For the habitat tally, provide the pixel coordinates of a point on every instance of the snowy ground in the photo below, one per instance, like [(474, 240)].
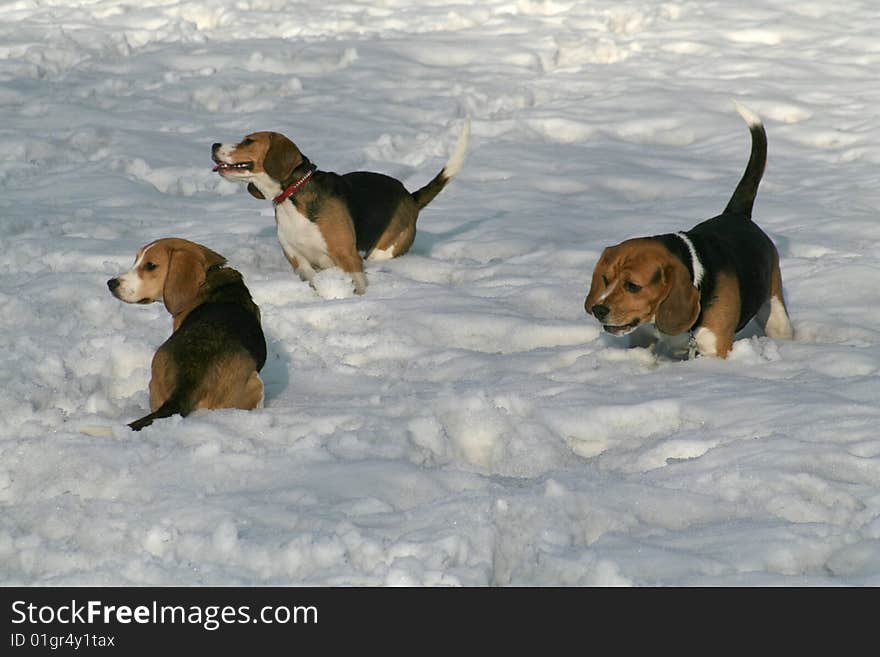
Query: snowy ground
[(464, 422)]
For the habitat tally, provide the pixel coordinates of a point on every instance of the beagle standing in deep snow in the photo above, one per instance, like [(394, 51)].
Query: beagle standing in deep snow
[(216, 348), (708, 281), (325, 219)]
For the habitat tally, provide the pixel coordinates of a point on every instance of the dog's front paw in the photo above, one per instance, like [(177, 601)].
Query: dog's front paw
[(360, 282), (333, 283)]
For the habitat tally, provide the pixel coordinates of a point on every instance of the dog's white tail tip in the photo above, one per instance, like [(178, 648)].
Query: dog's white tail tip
[(750, 117), (456, 160)]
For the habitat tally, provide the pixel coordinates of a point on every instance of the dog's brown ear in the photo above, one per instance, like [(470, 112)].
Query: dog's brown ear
[(282, 157), (186, 275), (680, 308), (256, 193)]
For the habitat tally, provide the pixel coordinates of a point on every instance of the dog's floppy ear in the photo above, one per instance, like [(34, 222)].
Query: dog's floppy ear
[(282, 157), (256, 193), (680, 308), (183, 280), (186, 275)]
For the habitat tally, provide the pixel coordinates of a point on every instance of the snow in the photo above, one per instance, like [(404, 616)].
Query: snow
[(464, 422)]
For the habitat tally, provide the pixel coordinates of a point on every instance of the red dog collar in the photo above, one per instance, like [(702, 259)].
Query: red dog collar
[(293, 188)]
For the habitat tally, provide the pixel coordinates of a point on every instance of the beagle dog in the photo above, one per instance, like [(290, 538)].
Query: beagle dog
[(216, 348), (326, 219), (706, 282)]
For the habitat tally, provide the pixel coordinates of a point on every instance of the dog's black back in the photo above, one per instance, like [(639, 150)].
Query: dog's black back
[(372, 200), (732, 243), (213, 330), (225, 323)]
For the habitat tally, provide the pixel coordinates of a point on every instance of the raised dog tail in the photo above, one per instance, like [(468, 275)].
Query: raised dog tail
[(172, 406), (744, 195), (427, 193)]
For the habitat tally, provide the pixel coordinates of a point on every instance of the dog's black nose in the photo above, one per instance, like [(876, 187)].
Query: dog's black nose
[(113, 283), (215, 147), (599, 311)]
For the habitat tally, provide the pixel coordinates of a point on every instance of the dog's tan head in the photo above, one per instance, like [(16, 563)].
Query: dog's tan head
[(263, 160), (639, 282), (169, 269)]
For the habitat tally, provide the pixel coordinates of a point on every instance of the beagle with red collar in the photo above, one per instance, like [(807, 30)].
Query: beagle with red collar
[(216, 349), (325, 219), (707, 282)]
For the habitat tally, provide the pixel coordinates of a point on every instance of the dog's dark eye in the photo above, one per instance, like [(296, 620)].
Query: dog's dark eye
[(246, 142), (150, 266), (631, 287), (604, 280)]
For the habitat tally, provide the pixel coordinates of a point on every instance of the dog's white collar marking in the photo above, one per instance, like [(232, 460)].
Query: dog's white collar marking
[(695, 260)]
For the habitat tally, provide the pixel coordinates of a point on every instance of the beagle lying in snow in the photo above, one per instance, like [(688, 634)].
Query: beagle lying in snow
[(709, 281), (325, 219), (216, 348)]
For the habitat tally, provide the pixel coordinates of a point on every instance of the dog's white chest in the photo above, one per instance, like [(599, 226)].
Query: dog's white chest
[(300, 237)]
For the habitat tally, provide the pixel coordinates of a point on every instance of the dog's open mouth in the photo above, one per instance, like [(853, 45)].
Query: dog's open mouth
[(623, 329), (222, 167)]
